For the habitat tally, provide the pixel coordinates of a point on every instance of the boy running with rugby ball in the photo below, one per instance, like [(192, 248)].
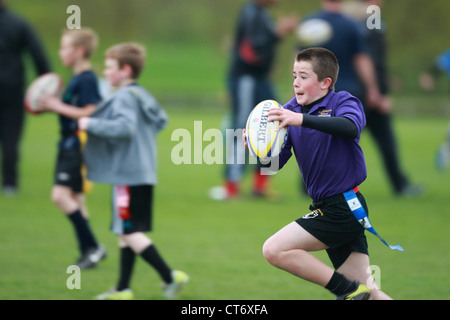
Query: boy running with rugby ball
[(324, 132)]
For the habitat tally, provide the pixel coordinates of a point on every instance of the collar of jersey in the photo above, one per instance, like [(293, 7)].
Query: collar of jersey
[(312, 107)]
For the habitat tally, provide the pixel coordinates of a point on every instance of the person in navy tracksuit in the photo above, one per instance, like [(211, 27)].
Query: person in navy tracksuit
[(252, 59)]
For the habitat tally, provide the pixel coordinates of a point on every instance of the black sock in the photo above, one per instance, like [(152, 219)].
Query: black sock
[(127, 258), (339, 285), (151, 255), (86, 239)]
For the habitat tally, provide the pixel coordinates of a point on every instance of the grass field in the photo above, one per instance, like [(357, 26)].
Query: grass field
[(219, 244)]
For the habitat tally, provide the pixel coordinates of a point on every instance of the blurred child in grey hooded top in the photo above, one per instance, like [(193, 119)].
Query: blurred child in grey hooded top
[(121, 151)]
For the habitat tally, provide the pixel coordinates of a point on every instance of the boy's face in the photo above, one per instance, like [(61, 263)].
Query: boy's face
[(114, 73), (68, 53), (307, 86)]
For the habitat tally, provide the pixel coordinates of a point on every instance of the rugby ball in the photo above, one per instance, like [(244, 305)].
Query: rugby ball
[(314, 32), (262, 138), (46, 84)]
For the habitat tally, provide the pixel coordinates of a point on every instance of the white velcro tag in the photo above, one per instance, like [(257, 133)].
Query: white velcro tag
[(354, 204)]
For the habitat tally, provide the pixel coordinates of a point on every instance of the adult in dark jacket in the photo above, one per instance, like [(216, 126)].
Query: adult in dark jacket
[(362, 58), (379, 116), (16, 38)]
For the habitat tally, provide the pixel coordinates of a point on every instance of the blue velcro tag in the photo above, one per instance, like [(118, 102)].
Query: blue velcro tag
[(360, 214)]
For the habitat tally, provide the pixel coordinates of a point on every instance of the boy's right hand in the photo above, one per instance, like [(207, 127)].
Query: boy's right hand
[(286, 117), (49, 103), (83, 123)]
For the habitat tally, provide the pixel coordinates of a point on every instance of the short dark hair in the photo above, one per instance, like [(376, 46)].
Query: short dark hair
[(323, 61)]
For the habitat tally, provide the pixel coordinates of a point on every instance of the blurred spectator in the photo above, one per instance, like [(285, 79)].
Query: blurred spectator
[(16, 38), (362, 57), (427, 81), (439, 67), (249, 83), (379, 116)]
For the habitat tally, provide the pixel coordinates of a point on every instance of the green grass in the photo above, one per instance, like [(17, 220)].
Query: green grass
[(219, 244)]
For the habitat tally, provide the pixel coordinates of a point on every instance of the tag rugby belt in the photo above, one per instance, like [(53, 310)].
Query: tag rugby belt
[(360, 215)]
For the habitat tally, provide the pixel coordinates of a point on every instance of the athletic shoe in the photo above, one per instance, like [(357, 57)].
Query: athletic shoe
[(92, 257), (443, 156), (269, 195), (227, 192), (9, 191), (410, 191), (361, 293), (179, 279), (115, 294), (218, 193)]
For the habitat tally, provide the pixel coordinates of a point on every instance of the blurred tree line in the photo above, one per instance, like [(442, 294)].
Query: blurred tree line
[(417, 30)]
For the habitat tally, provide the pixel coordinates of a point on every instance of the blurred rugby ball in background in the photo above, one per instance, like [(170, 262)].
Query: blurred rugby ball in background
[(314, 32), (262, 138), (46, 84)]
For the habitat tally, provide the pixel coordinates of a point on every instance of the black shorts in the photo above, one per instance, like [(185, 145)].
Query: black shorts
[(139, 216), (68, 169), (333, 223)]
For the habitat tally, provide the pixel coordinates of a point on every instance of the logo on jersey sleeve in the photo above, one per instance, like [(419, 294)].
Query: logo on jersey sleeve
[(325, 113)]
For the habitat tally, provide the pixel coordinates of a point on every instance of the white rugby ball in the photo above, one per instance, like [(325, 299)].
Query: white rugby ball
[(262, 138), (46, 84), (314, 32)]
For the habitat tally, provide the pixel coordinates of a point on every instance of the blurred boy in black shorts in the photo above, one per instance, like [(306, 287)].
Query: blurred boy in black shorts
[(79, 99)]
